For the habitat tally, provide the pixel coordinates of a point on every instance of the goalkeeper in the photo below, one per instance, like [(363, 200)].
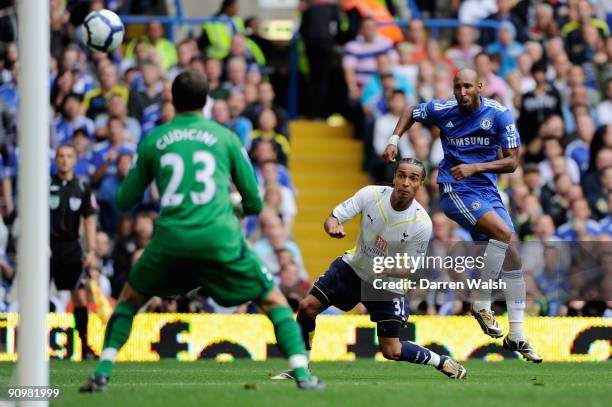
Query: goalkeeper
[(198, 241)]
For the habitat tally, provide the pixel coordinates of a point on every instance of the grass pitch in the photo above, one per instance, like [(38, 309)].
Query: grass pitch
[(360, 383)]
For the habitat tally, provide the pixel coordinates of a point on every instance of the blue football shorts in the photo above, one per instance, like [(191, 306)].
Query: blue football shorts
[(466, 204)]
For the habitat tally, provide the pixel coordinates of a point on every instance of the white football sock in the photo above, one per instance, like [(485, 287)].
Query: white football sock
[(515, 302), (494, 256), (109, 354), (434, 360)]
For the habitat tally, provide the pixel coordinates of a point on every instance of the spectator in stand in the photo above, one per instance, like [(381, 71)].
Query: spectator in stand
[(145, 100), (572, 31), (470, 11), (155, 38), (417, 37), (592, 182), (253, 31), (122, 254), (506, 47), (373, 89), (604, 108), (545, 26), (494, 86), (109, 211), (578, 104), (62, 87), (273, 240), (292, 286), (74, 60), (214, 71), (359, 60), (606, 223), (581, 227), (524, 65), (537, 105), (105, 153), (238, 123), (265, 100), (263, 152), (167, 113), (438, 59), (81, 143), (187, 50), (71, 119), (552, 281), (243, 47), (216, 37), (503, 14), (236, 74), (96, 100), (555, 198), (221, 114), (266, 131), (579, 150), (277, 196), (118, 108), (463, 53), (553, 154), (318, 29)]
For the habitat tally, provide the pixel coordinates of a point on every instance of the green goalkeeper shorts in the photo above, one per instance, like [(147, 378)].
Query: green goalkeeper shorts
[(228, 283)]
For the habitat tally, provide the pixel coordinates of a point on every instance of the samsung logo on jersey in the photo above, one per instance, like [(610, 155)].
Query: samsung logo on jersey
[(469, 141), (185, 134)]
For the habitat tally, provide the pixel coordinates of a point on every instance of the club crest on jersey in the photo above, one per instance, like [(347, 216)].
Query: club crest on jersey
[(380, 243), (475, 205), (54, 201), (75, 204), (486, 124)]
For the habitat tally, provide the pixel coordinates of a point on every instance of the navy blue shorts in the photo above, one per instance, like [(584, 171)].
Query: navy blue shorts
[(466, 205), (341, 287)]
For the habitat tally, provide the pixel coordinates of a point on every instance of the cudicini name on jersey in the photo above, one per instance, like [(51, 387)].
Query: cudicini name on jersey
[(185, 134)]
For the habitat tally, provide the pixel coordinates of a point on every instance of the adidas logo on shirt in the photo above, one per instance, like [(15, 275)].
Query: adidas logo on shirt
[(449, 124)]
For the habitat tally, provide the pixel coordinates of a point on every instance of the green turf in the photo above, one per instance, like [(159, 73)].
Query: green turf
[(362, 383)]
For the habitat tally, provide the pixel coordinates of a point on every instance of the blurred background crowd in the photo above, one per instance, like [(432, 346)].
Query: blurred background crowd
[(550, 62)]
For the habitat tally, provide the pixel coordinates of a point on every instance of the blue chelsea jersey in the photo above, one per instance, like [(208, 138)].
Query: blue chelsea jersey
[(469, 137)]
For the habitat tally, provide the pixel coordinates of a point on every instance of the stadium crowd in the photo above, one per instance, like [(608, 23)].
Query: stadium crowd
[(549, 61)]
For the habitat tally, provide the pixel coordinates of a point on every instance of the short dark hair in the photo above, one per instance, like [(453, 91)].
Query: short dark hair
[(412, 161), (189, 91), (65, 145)]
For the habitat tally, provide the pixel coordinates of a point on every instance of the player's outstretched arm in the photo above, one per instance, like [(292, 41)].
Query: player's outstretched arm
[(405, 122), (333, 227), (132, 188), (507, 164), (243, 177)]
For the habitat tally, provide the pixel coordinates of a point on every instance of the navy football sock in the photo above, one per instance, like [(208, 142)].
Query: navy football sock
[(413, 353)]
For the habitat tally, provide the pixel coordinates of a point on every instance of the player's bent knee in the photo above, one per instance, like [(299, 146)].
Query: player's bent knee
[(503, 234)]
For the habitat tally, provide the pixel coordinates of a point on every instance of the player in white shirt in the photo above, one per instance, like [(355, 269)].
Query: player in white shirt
[(392, 222)]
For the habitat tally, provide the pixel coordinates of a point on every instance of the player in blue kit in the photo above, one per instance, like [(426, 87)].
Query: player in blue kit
[(473, 129)]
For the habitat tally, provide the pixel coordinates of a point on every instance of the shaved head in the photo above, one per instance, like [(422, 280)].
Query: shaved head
[(467, 74), (467, 86)]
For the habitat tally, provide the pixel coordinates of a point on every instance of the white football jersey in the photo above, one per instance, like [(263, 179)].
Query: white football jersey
[(384, 231)]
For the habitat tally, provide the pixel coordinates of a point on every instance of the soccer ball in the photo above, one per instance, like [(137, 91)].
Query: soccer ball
[(103, 31)]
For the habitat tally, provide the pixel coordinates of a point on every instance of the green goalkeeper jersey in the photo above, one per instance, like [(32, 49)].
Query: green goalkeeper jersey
[(193, 162)]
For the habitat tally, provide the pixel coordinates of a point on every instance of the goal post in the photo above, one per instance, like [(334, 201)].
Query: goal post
[(33, 189)]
